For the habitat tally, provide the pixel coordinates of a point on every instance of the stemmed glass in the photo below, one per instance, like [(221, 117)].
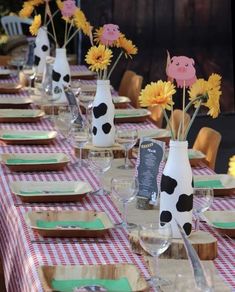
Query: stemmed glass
[(101, 161), (155, 238), (124, 189), (86, 100), (127, 138), (202, 199), (63, 120), (30, 72), (80, 136)]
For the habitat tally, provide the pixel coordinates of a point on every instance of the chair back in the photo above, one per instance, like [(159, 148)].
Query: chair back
[(176, 119), (208, 141), (134, 90), (125, 82), (156, 115), (231, 166), (12, 24)]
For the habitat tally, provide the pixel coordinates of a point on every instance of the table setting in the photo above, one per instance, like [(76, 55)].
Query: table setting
[(101, 199)]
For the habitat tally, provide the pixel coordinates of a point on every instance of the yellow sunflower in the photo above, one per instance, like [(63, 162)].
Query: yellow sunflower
[(213, 102), (27, 10), (159, 92), (59, 4), (98, 34), (99, 58), (199, 88), (81, 22), (35, 25), (214, 80), (231, 169), (127, 45)]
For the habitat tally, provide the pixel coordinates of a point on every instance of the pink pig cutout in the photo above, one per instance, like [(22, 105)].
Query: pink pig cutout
[(181, 69), (110, 34), (68, 9)]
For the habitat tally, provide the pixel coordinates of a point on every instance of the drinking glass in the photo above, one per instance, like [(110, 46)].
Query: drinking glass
[(80, 136), (155, 238), (202, 199), (100, 161), (127, 138), (124, 189), (30, 72), (63, 121)]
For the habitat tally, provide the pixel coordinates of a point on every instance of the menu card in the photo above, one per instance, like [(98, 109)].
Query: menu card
[(151, 154)]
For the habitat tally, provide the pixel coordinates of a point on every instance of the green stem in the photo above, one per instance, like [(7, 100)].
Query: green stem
[(115, 64), (182, 133), (50, 19), (51, 35), (168, 122), (52, 24), (45, 13), (73, 34), (192, 120), (65, 31), (70, 27)]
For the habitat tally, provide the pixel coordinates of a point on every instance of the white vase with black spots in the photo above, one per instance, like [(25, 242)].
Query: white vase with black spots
[(41, 50), (60, 76), (176, 199), (103, 130)]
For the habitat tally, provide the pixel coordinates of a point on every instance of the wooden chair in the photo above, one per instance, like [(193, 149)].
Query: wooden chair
[(12, 24), (176, 118), (208, 141), (156, 115), (130, 86), (125, 82), (231, 166)]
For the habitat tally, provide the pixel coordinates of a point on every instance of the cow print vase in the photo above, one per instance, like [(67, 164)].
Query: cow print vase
[(41, 50), (103, 130), (176, 199), (60, 75)]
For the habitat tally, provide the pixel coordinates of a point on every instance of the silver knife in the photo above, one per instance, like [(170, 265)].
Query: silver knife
[(198, 271)]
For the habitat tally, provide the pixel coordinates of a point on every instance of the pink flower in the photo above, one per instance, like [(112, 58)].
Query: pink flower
[(110, 34), (68, 9)]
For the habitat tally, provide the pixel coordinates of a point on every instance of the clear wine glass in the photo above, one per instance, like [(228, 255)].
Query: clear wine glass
[(155, 238), (126, 138), (125, 189), (100, 161), (63, 121), (202, 199), (80, 136), (30, 72)]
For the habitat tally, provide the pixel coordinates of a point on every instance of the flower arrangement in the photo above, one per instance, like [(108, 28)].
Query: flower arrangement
[(71, 14), (201, 93), (99, 57)]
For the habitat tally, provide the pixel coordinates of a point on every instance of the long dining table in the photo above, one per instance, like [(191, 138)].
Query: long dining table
[(23, 251)]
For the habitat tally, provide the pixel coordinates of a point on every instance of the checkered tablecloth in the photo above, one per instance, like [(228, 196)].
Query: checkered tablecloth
[(21, 257)]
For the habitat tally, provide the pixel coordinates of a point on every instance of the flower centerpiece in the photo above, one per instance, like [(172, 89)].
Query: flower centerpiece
[(176, 198), (75, 21), (100, 59)]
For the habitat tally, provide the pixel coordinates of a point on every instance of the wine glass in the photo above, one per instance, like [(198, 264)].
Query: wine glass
[(127, 138), (101, 161), (202, 199), (86, 99), (30, 72), (125, 189), (155, 238), (80, 136), (63, 121)]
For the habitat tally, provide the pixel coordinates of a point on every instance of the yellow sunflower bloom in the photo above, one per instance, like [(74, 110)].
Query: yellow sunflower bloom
[(27, 10), (128, 47), (199, 88), (35, 25), (59, 4), (213, 102), (97, 35), (214, 80), (81, 22), (231, 169), (99, 58), (36, 2), (159, 92)]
